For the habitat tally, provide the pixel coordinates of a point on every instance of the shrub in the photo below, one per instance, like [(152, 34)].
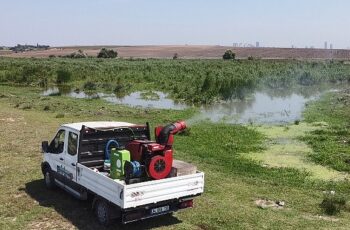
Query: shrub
[(332, 204), (63, 76), (43, 82), (107, 86), (306, 79), (78, 54), (89, 85), (251, 58), (229, 55), (176, 56), (107, 53), (119, 90), (28, 74)]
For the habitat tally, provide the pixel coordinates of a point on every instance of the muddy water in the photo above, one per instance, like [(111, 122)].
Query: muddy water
[(261, 106), (267, 105), (134, 99)]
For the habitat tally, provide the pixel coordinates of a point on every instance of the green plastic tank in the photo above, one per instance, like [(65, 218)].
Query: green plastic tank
[(118, 158)]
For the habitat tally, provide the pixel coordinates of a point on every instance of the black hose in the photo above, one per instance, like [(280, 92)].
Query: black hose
[(164, 134)]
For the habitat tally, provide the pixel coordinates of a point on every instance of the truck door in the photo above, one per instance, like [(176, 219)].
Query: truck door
[(71, 158), (57, 154)]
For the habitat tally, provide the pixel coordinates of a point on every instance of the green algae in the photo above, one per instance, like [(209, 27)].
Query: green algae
[(285, 149)]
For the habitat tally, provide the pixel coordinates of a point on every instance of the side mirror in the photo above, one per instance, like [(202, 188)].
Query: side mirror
[(44, 146)]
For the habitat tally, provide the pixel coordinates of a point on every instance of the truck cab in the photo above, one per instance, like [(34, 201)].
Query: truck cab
[(74, 160), (61, 157)]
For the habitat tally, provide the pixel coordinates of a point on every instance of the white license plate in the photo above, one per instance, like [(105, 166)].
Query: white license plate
[(160, 209)]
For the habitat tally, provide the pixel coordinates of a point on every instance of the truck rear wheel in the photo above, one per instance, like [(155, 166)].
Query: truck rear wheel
[(49, 179), (102, 212)]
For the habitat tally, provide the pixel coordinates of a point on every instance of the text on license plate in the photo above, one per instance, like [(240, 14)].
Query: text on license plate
[(160, 209)]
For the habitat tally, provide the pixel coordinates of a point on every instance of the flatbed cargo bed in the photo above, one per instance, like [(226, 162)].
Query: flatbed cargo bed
[(148, 192)]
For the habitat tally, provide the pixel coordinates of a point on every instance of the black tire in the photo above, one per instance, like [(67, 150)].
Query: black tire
[(49, 179), (170, 214), (103, 212)]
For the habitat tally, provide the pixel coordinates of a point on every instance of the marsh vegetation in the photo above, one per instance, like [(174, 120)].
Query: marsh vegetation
[(191, 81)]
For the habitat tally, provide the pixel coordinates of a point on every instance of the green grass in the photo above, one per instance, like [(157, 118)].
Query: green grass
[(233, 181), (331, 145)]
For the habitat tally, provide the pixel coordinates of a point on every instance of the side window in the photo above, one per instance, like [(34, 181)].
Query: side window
[(72, 143), (57, 144)]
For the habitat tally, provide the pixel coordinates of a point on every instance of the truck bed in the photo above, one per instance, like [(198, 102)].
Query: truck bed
[(143, 193)]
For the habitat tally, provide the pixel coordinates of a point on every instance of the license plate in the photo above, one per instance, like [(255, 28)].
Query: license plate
[(160, 210)]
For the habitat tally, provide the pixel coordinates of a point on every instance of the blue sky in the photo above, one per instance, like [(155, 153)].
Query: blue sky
[(143, 22)]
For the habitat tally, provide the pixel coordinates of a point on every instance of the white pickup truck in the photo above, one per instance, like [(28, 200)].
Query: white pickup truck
[(74, 160)]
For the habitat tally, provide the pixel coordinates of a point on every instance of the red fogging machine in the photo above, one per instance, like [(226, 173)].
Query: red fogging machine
[(154, 159)]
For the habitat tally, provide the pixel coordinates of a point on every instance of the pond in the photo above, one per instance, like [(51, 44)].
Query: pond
[(266, 105), (136, 99), (262, 105)]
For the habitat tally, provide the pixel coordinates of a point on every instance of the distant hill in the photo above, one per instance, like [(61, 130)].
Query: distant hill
[(191, 51)]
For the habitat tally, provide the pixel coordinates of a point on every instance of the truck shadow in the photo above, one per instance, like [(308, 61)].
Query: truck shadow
[(79, 212)]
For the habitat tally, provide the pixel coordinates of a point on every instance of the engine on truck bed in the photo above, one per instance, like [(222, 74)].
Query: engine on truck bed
[(138, 158)]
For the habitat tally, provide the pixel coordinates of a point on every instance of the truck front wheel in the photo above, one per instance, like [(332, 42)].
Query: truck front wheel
[(49, 180), (102, 212)]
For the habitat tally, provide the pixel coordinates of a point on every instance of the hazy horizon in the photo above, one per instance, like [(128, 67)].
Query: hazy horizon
[(272, 23)]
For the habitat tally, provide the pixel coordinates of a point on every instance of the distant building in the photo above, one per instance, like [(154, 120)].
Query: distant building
[(331, 46), (257, 44), (325, 45)]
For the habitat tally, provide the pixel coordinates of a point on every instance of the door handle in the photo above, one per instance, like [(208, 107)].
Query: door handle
[(73, 164), (61, 158)]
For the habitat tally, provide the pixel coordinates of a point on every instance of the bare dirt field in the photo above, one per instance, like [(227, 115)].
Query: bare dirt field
[(191, 51)]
